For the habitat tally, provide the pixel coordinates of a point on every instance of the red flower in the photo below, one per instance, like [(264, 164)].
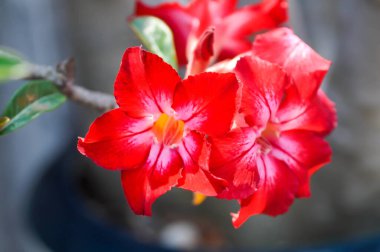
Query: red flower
[(157, 136), (283, 120), (232, 26)]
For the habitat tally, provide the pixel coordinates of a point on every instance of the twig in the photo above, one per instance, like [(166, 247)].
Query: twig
[(63, 77)]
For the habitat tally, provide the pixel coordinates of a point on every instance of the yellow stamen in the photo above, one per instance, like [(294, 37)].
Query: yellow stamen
[(168, 130), (198, 198), (271, 131)]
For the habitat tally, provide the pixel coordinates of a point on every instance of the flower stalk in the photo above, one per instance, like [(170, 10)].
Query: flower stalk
[(63, 77)]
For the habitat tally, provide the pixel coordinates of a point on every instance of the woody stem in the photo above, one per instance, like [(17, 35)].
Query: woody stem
[(63, 77)]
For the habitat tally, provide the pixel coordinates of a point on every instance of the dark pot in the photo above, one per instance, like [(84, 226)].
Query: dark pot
[(60, 217), (64, 222)]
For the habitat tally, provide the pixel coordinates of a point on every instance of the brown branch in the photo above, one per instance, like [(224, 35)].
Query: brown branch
[(63, 77)]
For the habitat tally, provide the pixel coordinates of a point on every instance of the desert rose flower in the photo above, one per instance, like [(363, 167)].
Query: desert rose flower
[(233, 26), (283, 119), (156, 138)]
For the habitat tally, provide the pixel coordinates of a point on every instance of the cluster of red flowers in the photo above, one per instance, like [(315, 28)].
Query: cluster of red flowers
[(251, 127)]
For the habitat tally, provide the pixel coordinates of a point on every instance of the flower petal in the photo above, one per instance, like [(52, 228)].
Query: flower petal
[(275, 193), (319, 115), (142, 186), (234, 26), (304, 152), (201, 56), (232, 34), (207, 102), (195, 152), (116, 141), (228, 65), (145, 84), (229, 51), (220, 9), (233, 158), (281, 46), (263, 89)]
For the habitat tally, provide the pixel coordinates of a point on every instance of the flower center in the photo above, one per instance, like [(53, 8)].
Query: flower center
[(168, 130), (269, 134)]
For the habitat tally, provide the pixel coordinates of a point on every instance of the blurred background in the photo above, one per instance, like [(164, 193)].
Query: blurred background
[(52, 199)]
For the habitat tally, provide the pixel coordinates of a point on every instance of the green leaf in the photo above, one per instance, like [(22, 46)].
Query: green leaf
[(157, 37), (31, 100), (12, 66)]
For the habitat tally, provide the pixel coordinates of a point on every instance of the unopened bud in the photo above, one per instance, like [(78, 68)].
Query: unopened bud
[(4, 121)]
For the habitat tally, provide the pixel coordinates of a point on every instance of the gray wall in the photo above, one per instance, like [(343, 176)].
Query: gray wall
[(345, 194), (33, 27)]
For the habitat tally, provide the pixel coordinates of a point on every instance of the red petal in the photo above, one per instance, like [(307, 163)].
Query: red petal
[(177, 17), (230, 50), (318, 115), (206, 13), (142, 186), (221, 8), (283, 47), (226, 66), (201, 56), (145, 83), (232, 34), (233, 158), (277, 9), (275, 193), (263, 89), (304, 152), (234, 26), (195, 152), (207, 102), (116, 141)]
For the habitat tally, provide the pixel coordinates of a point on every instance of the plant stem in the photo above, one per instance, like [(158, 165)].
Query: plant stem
[(63, 77)]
